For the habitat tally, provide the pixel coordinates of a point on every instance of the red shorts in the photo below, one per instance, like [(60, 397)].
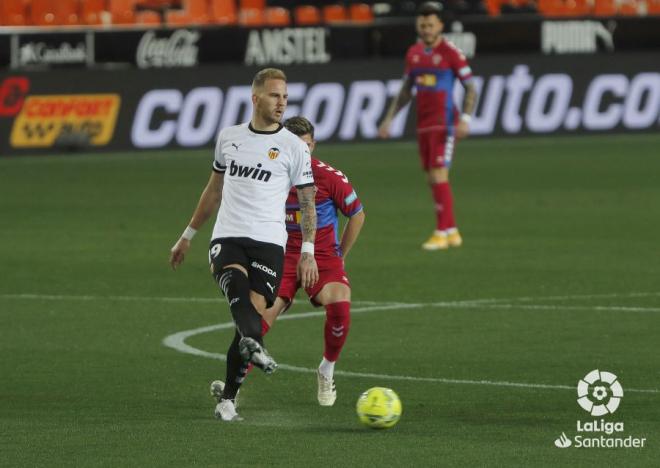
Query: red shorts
[(290, 284), (436, 148)]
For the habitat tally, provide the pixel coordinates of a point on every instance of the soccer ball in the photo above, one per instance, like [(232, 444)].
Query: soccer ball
[(379, 408)]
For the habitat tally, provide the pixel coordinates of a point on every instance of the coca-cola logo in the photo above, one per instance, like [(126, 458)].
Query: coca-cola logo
[(178, 50)]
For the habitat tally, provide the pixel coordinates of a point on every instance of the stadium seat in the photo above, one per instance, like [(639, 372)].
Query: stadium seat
[(653, 7), (13, 13), (251, 17), (551, 8), (253, 5), (193, 12), (605, 8), (54, 12), (334, 14), (122, 11), (92, 11), (361, 13), (148, 18), (307, 15), (277, 16), (493, 7), (223, 11), (629, 8)]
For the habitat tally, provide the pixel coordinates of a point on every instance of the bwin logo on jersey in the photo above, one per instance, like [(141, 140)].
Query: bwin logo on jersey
[(264, 268), (249, 172)]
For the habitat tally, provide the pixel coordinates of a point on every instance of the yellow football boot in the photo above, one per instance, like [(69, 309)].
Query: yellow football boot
[(438, 241), (454, 239)]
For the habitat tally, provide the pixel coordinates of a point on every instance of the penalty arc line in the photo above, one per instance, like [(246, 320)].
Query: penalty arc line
[(177, 341)]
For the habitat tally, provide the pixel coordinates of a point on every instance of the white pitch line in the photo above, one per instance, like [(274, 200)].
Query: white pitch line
[(562, 307), (177, 341)]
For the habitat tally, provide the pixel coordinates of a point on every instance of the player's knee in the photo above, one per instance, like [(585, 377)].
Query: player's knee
[(439, 175), (259, 302), (235, 285), (334, 292)]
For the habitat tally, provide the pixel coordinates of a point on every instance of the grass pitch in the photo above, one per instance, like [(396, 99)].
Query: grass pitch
[(484, 344)]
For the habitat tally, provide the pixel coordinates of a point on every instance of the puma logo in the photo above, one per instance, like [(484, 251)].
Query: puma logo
[(235, 146)]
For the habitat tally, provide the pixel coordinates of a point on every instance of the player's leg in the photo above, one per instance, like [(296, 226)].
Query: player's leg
[(287, 291), (266, 262), (228, 265), (335, 297), (446, 234)]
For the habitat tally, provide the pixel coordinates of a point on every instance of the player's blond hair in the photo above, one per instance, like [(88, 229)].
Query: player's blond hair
[(266, 74)]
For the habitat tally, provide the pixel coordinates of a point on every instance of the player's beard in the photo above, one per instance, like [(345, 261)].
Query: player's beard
[(269, 117), (432, 41)]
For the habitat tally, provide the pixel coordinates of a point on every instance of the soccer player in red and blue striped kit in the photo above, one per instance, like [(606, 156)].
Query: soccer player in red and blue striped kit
[(432, 66)]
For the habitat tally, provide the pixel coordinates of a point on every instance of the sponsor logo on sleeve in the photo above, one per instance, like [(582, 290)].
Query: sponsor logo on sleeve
[(351, 198)]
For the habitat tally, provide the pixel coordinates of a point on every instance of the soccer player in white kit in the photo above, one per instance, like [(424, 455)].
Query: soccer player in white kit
[(255, 165)]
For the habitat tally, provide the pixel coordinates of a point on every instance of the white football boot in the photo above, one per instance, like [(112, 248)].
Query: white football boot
[(252, 351), (327, 393), (226, 411), (217, 387)]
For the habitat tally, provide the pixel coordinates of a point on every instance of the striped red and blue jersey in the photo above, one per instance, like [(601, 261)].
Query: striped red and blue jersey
[(333, 193), (433, 71)]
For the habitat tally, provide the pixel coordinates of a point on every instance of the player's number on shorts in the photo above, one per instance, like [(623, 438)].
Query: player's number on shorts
[(215, 250)]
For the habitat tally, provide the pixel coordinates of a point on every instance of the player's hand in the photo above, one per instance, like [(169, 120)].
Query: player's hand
[(308, 272), (462, 129), (384, 129), (178, 252)]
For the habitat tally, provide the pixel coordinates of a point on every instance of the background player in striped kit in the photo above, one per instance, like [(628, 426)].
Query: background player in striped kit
[(432, 66)]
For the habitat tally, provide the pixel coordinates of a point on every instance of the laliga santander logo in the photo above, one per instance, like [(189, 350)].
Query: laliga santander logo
[(599, 393)]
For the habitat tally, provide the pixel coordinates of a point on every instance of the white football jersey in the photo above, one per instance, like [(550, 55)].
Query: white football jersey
[(259, 170)]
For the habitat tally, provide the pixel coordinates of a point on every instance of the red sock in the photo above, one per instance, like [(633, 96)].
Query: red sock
[(444, 206), (337, 323), (264, 327)]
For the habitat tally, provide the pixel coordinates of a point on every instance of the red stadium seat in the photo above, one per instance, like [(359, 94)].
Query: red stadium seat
[(92, 11), (223, 12), (551, 8), (629, 8), (360, 13), (253, 5), (122, 11), (493, 7), (277, 16), (54, 12), (605, 8), (251, 17), (13, 13), (194, 12), (653, 7), (148, 18), (307, 15), (334, 14)]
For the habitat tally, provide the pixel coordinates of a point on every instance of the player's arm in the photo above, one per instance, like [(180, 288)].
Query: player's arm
[(208, 204), (307, 270), (351, 232), (399, 102), (469, 101)]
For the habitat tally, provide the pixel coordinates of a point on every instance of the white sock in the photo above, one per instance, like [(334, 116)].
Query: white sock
[(452, 230), (327, 368), (438, 232)]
